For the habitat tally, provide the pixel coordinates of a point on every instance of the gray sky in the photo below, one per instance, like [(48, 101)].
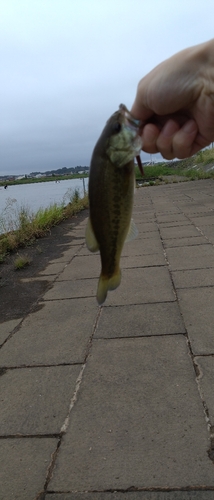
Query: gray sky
[(66, 65)]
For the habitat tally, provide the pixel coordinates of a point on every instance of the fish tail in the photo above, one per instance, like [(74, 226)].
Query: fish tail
[(106, 284)]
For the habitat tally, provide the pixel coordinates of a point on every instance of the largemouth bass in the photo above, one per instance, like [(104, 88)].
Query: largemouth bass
[(111, 190)]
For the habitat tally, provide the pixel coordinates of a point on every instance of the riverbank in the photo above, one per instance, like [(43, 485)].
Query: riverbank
[(30, 226), (17, 291), (35, 180)]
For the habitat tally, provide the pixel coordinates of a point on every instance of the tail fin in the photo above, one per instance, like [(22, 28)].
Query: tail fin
[(106, 284)]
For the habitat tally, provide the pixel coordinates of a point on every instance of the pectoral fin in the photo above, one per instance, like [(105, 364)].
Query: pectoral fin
[(132, 232), (90, 238)]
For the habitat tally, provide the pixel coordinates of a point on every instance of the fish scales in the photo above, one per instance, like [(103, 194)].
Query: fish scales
[(111, 214), (111, 188)]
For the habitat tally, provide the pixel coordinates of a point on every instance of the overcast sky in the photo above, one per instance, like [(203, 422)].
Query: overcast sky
[(66, 65)]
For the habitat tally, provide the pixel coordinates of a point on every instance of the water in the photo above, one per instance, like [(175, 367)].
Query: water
[(35, 196)]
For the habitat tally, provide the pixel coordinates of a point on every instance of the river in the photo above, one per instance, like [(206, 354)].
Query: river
[(35, 196)]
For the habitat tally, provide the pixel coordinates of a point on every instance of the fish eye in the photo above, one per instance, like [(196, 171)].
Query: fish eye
[(116, 127)]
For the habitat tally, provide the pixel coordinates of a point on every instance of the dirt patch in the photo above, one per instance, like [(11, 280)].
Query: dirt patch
[(17, 297)]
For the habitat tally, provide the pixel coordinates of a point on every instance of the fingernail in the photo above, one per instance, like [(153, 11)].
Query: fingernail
[(189, 127), (170, 128)]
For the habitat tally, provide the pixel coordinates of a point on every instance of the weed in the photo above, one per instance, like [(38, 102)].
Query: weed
[(30, 226), (193, 168), (21, 261)]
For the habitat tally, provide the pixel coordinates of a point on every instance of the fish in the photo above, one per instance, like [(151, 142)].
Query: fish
[(111, 192)]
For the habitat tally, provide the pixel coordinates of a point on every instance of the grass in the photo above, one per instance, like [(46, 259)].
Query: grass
[(48, 178), (156, 171), (192, 168), (21, 261), (29, 226)]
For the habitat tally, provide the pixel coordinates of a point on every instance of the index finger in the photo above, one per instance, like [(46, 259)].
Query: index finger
[(140, 112)]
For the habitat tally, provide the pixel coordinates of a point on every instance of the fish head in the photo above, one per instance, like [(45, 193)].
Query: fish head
[(123, 137)]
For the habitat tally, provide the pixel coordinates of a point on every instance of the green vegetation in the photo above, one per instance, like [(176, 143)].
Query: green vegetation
[(21, 261), (49, 178), (198, 166), (30, 226), (156, 171)]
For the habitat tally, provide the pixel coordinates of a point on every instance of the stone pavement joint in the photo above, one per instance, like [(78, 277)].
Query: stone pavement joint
[(117, 402)]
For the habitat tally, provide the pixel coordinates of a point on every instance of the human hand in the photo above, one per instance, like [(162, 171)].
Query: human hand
[(175, 101)]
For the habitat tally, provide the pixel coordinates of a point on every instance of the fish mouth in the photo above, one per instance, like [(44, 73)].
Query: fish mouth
[(133, 125), (129, 120)]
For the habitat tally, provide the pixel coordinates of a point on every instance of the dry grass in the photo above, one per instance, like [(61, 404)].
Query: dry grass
[(21, 261), (33, 226)]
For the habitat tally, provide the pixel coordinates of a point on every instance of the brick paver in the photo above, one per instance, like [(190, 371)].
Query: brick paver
[(117, 402)]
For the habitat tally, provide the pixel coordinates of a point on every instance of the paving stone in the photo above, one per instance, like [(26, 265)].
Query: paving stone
[(63, 245), (58, 332), (193, 278), (145, 227), (139, 246), (140, 320), (79, 231), (142, 285), (42, 398), (7, 327), (132, 261), (54, 268), (77, 240), (201, 198), (179, 231), (138, 418), (135, 495), (196, 210), (198, 313), (143, 217), (206, 220), (176, 217), (23, 466), (84, 251), (47, 278), (152, 235), (164, 225), (139, 421), (193, 209), (143, 246), (170, 211), (87, 266), (208, 231), (67, 254), (184, 242), (206, 383), (143, 210), (151, 248), (72, 289), (195, 257)]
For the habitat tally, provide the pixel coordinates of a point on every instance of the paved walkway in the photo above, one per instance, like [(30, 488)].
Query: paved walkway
[(118, 402)]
